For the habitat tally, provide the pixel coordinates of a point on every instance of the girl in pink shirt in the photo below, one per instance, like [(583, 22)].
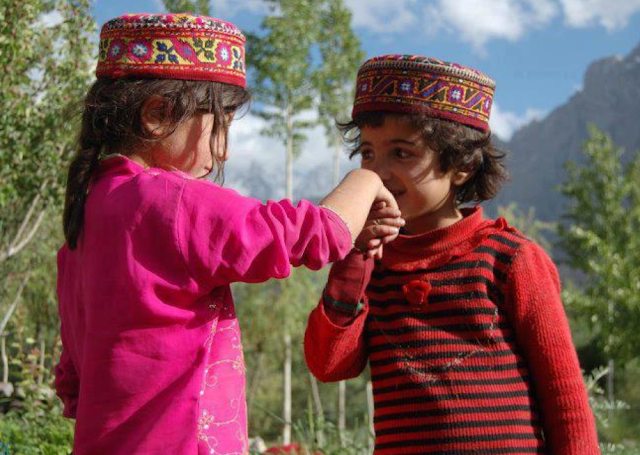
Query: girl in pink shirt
[(152, 359)]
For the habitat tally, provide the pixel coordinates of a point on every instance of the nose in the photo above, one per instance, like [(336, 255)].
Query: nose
[(380, 168)]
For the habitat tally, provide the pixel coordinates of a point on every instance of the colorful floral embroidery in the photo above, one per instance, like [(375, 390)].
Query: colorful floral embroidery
[(414, 84), (140, 51), (223, 52), (192, 47), (222, 405), (116, 49)]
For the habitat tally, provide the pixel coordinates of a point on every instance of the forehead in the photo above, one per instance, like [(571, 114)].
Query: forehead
[(392, 129)]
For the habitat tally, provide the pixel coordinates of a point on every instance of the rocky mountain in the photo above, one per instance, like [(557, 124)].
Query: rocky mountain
[(610, 99)]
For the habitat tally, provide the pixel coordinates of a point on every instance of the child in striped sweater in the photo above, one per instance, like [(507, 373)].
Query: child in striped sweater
[(460, 319)]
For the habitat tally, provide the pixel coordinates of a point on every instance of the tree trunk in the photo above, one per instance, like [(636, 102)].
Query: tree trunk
[(370, 408), (342, 385), (336, 162), (286, 433), (25, 233), (41, 373), (342, 410), (610, 366), (5, 359), (253, 389), (315, 392), (289, 158), (13, 305), (610, 387)]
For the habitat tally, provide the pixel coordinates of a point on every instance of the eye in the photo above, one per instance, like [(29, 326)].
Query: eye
[(401, 153), (366, 155)]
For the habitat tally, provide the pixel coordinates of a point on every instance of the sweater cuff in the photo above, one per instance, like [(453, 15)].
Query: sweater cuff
[(348, 280)]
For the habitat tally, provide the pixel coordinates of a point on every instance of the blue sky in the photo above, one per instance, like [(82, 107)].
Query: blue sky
[(536, 50)]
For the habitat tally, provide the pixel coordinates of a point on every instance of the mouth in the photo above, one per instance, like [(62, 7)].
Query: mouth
[(397, 193)]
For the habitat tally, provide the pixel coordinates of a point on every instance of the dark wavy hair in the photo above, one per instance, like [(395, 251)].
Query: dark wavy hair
[(459, 147), (112, 123)]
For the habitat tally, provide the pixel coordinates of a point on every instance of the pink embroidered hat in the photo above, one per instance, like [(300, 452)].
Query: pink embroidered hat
[(414, 84), (173, 46)]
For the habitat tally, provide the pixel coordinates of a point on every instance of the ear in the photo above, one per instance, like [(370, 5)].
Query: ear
[(152, 116), (459, 178)]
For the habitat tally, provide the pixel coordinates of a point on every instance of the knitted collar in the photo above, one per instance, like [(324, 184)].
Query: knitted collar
[(439, 246)]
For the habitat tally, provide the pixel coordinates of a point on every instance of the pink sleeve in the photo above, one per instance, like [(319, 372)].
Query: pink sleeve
[(225, 237), (543, 333), (67, 384)]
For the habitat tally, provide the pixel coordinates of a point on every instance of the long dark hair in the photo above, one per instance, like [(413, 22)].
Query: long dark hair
[(111, 122)]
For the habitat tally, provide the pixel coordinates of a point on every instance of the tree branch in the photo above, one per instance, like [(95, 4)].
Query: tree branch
[(14, 304)]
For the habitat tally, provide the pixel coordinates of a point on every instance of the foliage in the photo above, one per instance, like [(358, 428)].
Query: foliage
[(187, 6), (34, 424), (353, 442), (45, 65), (526, 222), (281, 62), (341, 54), (601, 240)]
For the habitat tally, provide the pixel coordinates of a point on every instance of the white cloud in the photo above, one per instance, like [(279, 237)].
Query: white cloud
[(479, 21), (383, 16), (247, 145), (505, 123), (228, 8), (610, 14)]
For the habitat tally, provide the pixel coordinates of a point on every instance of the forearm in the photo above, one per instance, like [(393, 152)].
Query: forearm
[(334, 341), (353, 198)]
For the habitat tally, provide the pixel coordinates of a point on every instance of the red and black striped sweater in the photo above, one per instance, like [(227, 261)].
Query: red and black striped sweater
[(467, 340)]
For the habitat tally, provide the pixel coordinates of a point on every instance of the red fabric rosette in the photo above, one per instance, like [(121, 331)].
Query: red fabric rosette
[(417, 292)]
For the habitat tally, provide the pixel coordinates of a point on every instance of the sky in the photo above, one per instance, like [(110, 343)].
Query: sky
[(537, 51)]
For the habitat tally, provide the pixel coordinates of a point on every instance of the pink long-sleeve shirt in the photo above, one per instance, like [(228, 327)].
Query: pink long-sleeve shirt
[(152, 359)]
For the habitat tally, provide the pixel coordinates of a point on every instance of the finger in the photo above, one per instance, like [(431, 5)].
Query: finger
[(374, 243), (386, 212), (397, 222), (378, 205), (388, 239), (381, 230), (378, 254)]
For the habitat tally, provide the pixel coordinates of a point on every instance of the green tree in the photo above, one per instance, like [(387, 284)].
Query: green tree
[(187, 6), (45, 66), (281, 61), (46, 61), (600, 239), (341, 54), (527, 223)]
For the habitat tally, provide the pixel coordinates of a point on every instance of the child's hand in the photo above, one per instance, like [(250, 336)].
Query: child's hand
[(382, 227)]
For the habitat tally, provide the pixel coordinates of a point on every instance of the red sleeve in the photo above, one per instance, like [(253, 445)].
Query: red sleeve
[(543, 334), (67, 384), (334, 343)]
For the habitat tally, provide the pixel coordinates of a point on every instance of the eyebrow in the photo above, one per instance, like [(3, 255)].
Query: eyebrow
[(402, 141), (393, 141)]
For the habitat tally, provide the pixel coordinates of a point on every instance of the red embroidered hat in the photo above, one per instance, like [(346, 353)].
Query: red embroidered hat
[(415, 84), (172, 46)]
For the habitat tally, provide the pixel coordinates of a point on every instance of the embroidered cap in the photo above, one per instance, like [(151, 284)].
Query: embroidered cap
[(415, 84), (172, 46)]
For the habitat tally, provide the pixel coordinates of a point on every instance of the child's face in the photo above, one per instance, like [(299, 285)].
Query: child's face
[(411, 172)]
